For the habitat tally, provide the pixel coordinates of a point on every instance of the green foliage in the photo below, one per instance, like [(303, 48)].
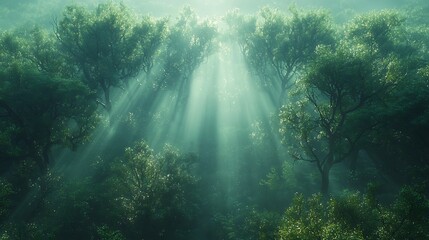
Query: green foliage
[(246, 222), (6, 190), (41, 103), (377, 30), (10, 44), (356, 216), (411, 215), (14, 231), (144, 195), (12, 51), (303, 219), (109, 46), (34, 48), (401, 150), (42, 51), (398, 49), (42, 111), (158, 192), (67, 210), (240, 27), (277, 46), (283, 179), (323, 126), (105, 233), (365, 93), (188, 43)]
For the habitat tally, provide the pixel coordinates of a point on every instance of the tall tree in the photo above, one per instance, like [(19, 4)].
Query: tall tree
[(325, 124), (188, 43), (41, 104), (278, 46), (109, 45), (41, 111), (41, 49), (398, 146), (158, 192), (379, 31), (401, 45)]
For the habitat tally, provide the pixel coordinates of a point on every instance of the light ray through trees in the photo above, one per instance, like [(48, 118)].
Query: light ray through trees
[(223, 120), (223, 106)]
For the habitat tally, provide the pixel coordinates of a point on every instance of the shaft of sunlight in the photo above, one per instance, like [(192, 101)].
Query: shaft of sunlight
[(223, 106)]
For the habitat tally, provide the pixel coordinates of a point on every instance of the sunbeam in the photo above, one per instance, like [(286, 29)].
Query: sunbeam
[(224, 104), (193, 119)]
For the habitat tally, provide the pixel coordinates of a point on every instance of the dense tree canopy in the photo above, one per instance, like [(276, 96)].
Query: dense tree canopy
[(188, 43), (41, 105), (344, 95), (109, 45), (328, 105), (41, 112), (278, 46), (337, 87)]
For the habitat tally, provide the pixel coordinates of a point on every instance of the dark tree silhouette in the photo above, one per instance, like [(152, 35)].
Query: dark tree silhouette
[(109, 45)]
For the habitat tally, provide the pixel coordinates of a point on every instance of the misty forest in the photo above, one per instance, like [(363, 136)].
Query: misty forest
[(203, 120)]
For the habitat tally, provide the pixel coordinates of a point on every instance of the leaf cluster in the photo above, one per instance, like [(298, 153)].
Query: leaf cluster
[(356, 216)]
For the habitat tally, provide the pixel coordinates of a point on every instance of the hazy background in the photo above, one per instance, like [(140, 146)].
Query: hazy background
[(225, 118), (27, 12)]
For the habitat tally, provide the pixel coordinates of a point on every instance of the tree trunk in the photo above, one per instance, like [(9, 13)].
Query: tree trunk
[(281, 98), (327, 168), (107, 103), (45, 159), (353, 160), (106, 90), (325, 179)]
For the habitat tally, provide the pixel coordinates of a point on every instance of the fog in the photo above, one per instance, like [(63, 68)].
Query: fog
[(227, 119), (20, 12)]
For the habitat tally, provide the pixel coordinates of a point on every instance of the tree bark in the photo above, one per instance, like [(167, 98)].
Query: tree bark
[(281, 98), (325, 179), (45, 159), (353, 160), (327, 167), (107, 103)]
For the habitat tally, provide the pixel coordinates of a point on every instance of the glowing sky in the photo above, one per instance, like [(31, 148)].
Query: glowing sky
[(17, 12)]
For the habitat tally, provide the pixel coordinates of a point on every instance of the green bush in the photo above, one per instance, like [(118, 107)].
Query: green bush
[(357, 216)]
